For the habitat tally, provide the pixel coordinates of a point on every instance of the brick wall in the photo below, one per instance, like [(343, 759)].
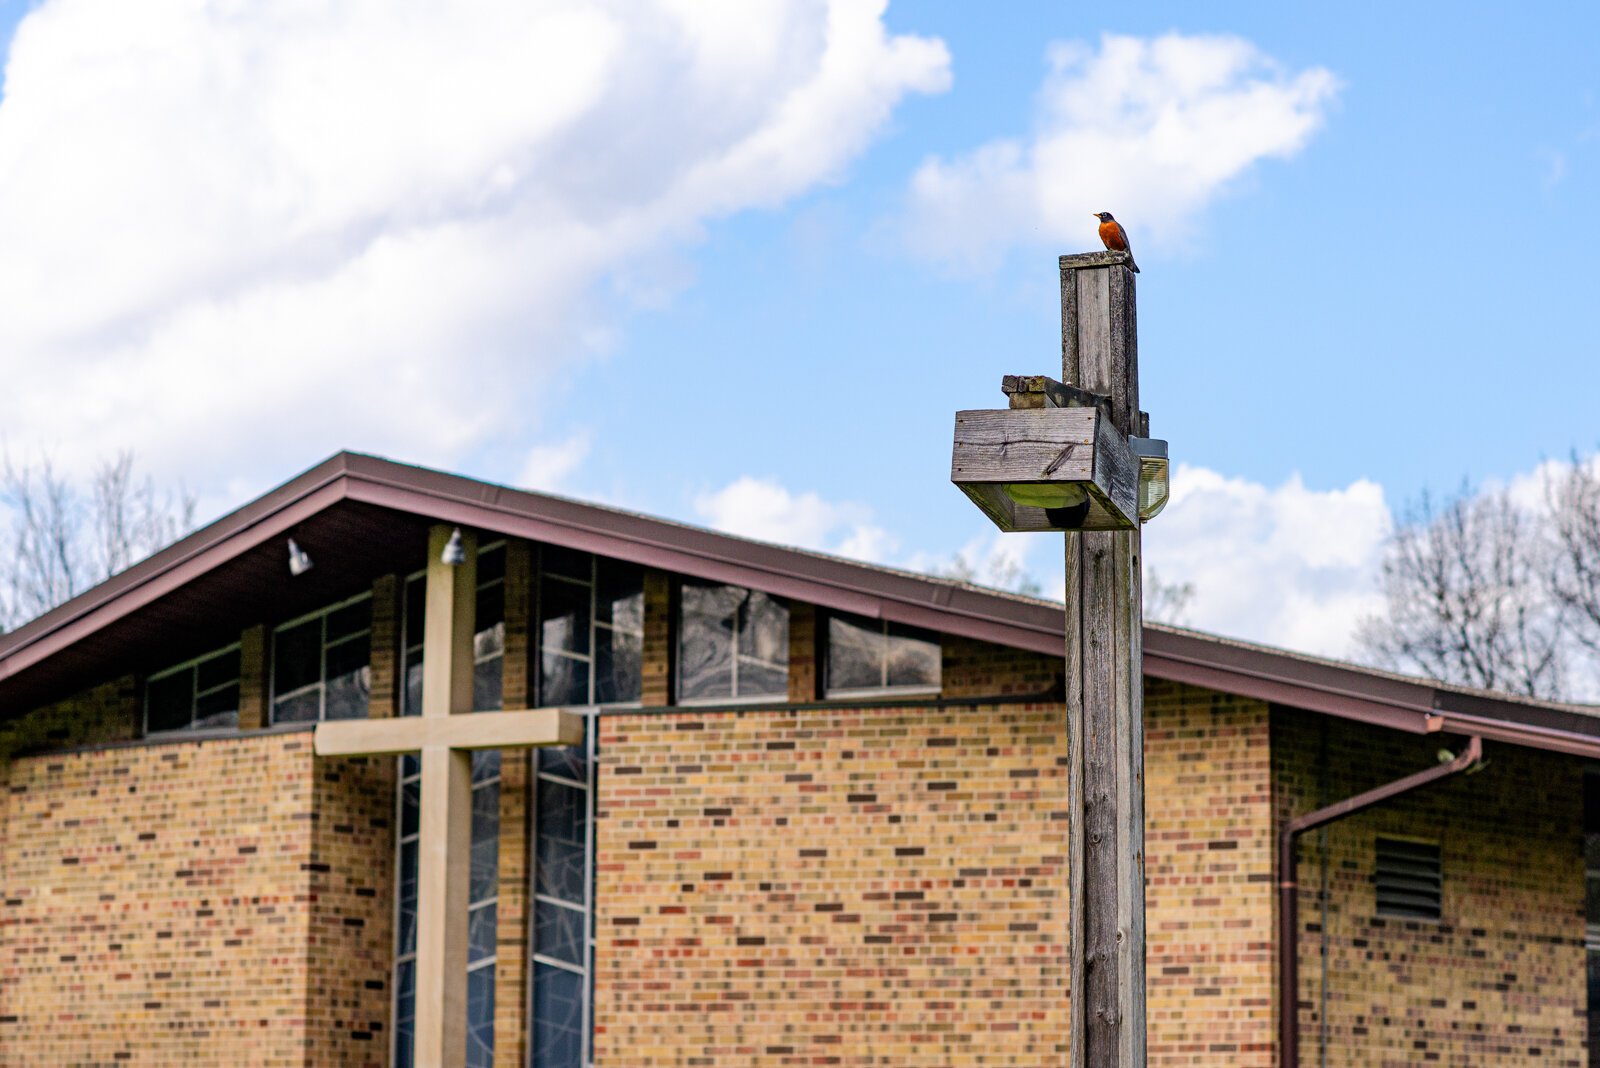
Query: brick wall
[(1500, 981), (1209, 894), (110, 712), (199, 903), (850, 887)]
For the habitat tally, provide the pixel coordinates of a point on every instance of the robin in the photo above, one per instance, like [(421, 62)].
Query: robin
[(1114, 237)]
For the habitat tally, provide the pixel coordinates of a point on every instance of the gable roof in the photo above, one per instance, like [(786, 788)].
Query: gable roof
[(358, 514)]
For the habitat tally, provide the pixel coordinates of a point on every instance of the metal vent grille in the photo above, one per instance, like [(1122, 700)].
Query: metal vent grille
[(1409, 879)]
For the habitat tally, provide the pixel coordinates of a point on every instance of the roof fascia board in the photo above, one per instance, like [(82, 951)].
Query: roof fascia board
[(220, 546)]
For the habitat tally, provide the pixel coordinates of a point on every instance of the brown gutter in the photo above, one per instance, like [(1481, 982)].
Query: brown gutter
[(1288, 919)]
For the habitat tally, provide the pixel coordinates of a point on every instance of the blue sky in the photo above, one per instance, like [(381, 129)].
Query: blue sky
[(703, 275)]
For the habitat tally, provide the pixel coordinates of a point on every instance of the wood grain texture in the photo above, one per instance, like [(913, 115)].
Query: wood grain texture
[(515, 729), (1096, 259), (1000, 447), (1106, 723)]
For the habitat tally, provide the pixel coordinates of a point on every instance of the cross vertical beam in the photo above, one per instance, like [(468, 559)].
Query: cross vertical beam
[(444, 861), (1105, 699)]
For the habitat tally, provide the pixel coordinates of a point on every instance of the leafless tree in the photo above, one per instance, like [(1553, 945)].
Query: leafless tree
[(64, 539), (1003, 573), (1468, 602), (1572, 495), (1166, 602)]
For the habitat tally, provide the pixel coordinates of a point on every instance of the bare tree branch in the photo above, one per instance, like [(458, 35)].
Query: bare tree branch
[(1467, 598), (1166, 602), (63, 541)]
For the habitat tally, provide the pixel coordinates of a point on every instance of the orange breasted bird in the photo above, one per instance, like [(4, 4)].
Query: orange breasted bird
[(1114, 237)]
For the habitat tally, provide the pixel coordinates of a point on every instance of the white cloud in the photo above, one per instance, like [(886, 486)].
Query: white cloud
[(547, 466), (1285, 565), (1149, 128), (230, 233), (763, 508)]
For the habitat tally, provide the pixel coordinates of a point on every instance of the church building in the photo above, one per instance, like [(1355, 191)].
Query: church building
[(765, 807)]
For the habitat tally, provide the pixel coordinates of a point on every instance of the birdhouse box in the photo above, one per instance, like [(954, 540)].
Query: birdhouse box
[(1049, 468)]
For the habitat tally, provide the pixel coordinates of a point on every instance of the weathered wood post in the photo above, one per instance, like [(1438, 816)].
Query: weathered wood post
[(1105, 697), (1074, 456)]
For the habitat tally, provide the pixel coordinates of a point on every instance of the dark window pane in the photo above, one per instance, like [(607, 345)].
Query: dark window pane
[(413, 686), (485, 842), (764, 630), (480, 1018), (491, 564), (410, 766), (297, 657), (219, 708), (302, 708), (405, 1014), (491, 607), (169, 702), (487, 680), (490, 642), (558, 1017), (485, 765), (408, 899), (760, 679), (563, 837), (560, 932), (619, 596), (618, 660), (416, 608), (564, 612), (218, 671), (563, 681), (568, 761), (410, 796), (480, 933), (351, 619), (705, 642), (347, 695), (349, 656), (554, 560), (855, 652), (913, 658)]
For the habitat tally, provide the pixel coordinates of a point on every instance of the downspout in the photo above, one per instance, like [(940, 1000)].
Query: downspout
[(1288, 920)]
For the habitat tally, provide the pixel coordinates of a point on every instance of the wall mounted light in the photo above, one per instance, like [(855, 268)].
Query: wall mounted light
[(299, 560), (1155, 483), (454, 552)]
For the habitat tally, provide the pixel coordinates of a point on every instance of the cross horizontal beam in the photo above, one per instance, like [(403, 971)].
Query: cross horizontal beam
[(480, 730)]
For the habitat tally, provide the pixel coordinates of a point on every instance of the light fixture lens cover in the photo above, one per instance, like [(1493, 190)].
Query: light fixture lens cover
[(1047, 494), (1155, 483)]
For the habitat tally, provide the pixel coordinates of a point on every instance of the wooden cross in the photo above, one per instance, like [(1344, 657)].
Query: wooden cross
[(445, 735)]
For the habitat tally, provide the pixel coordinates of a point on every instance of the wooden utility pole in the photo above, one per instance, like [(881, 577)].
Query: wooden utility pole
[(1072, 456), (1105, 696)]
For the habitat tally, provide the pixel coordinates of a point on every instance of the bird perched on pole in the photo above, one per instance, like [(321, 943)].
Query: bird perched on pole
[(1114, 237)]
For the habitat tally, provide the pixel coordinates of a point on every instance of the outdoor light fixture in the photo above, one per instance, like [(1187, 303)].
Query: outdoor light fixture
[(1155, 484), (299, 560), (454, 553), (1047, 468)]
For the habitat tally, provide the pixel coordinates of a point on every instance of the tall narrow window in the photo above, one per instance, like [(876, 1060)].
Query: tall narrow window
[(488, 644), (200, 694), (320, 664), (874, 655), (563, 886), (591, 629), (732, 642)]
